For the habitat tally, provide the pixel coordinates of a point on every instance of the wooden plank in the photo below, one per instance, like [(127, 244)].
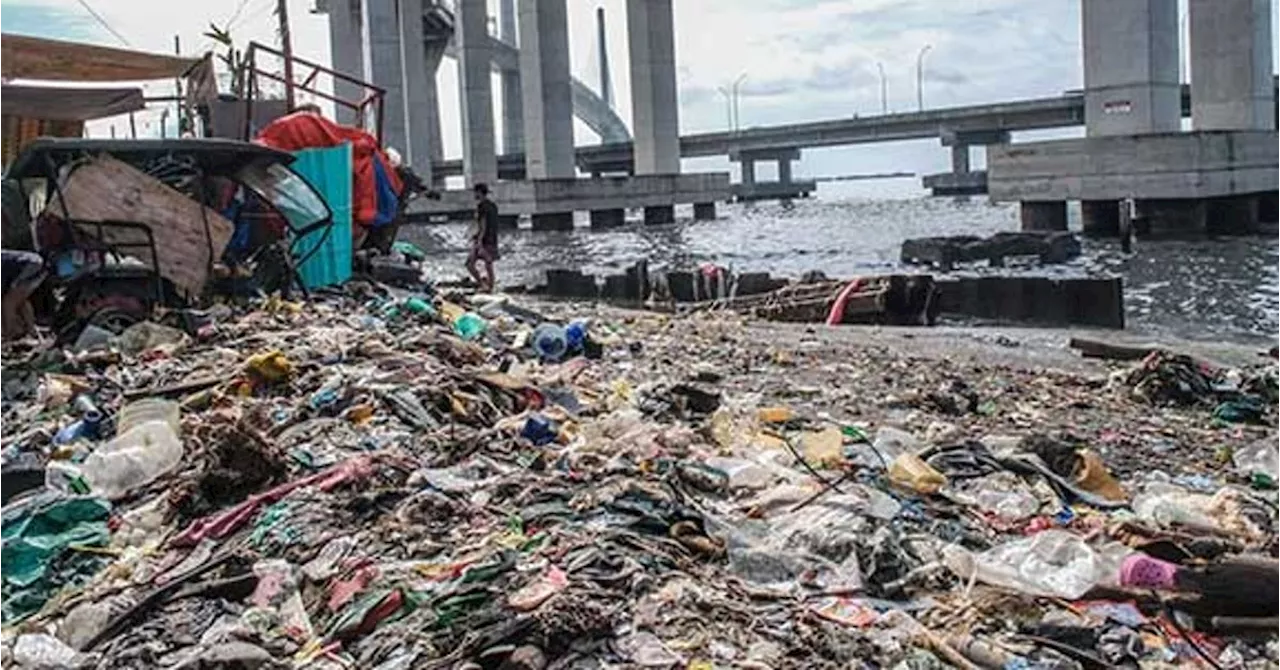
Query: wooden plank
[(107, 189)]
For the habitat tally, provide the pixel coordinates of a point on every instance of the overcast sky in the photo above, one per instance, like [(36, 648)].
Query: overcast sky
[(803, 59)]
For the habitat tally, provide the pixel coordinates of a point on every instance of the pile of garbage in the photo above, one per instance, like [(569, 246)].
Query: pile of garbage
[(389, 480)]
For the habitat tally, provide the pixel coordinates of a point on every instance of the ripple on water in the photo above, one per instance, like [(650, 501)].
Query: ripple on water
[(1208, 289)]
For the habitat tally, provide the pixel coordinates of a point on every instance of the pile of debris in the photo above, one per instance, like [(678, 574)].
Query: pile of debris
[(945, 252), (379, 479)]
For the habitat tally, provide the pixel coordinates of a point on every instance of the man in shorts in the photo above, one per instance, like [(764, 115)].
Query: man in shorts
[(21, 274), (484, 240)]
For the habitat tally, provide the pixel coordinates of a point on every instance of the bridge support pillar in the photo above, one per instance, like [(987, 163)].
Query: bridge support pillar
[(704, 211), (959, 158), (784, 170), (1100, 218), (608, 218), (347, 49), (1267, 207), (748, 171), (512, 101), (1043, 215), (1231, 84), (548, 102), (421, 110), (553, 221), (382, 59), (654, 99), (479, 157), (659, 215)]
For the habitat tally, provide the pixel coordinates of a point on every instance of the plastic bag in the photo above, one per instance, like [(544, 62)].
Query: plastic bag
[(45, 652), (1053, 563)]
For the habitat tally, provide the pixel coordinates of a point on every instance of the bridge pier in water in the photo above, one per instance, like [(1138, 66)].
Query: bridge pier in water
[(963, 179), (784, 188)]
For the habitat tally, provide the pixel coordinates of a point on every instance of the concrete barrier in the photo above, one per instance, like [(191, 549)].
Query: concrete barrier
[(1058, 302)]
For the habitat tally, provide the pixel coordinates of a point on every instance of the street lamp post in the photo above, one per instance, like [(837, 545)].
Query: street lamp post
[(737, 112), (728, 105), (920, 76), (884, 90)]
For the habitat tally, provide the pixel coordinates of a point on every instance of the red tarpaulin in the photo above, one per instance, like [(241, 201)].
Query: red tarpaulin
[(306, 130)]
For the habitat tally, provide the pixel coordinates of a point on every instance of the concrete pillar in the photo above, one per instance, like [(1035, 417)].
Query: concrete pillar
[(1044, 215), (608, 218), (346, 45), (1231, 79), (480, 162), (659, 215), (1232, 215), (427, 117), (959, 158), (512, 103), (553, 221), (748, 171), (1100, 218), (704, 211), (417, 97), (1268, 207), (655, 107), (1170, 217), (380, 27), (1131, 67), (548, 98), (784, 170)]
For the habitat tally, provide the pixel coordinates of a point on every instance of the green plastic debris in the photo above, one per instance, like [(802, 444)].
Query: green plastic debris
[(39, 554), (411, 251)]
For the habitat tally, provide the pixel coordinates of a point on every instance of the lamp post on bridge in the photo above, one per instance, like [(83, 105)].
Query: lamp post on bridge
[(884, 90), (920, 76), (731, 98), (728, 106)]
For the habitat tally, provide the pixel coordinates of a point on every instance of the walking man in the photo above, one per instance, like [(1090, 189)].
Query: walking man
[(484, 239)]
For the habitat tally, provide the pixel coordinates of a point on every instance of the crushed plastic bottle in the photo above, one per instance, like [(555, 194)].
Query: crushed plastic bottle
[(43, 652), (146, 447), (550, 342), (911, 472), (892, 442), (1258, 458), (470, 326)]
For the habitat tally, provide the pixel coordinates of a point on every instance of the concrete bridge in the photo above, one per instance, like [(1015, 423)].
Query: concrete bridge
[(958, 128)]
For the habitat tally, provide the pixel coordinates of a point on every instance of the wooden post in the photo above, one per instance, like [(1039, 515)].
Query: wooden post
[(177, 87), (133, 127), (286, 47), (1126, 226)]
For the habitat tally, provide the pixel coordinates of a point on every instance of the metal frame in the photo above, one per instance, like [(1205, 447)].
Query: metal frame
[(374, 95)]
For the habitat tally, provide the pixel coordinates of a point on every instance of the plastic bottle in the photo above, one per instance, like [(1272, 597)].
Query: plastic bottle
[(66, 476), (1258, 458), (539, 430), (469, 326), (575, 334), (550, 342), (909, 471), (146, 447), (146, 410), (891, 443), (417, 305)]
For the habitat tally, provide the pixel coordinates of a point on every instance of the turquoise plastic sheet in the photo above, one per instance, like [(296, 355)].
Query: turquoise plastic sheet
[(329, 172), (40, 549)]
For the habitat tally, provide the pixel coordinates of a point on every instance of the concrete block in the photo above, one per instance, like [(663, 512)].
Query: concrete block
[(637, 285), (608, 218), (754, 283), (659, 215), (1101, 218), (681, 286), (571, 284), (511, 221), (552, 221), (1232, 215), (1095, 302), (614, 288), (704, 211), (1039, 216)]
